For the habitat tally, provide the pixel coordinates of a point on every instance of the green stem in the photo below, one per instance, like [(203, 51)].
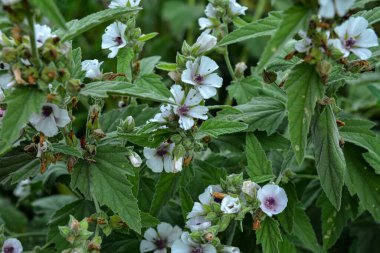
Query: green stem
[(32, 37), (259, 9), (229, 65), (232, 234)]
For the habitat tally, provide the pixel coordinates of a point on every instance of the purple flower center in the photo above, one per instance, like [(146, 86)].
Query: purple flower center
[(183, 110), (160, 244), (198, 79), (47, 110), (8, 249), (350, 42), (197, 250), (162, 150), (270, 203), (2, 113), (118, 40)]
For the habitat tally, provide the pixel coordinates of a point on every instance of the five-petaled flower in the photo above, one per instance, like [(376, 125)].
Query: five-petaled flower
[(328, 8), (187, 107), (200, 74), (49, 119), (188, 245), (355, 37), (124, 3), (158, 241), (12, 245), (114, 38), (162, 158), (273, 199), (92, 69)]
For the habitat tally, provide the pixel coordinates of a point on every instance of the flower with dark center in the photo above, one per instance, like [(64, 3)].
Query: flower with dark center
[(47, 110), (12, 245), (162, 150), (270, 203), (273, 199), (350, 43), (160, 158), (198, 79), (183, 110), (118, 40), (8, 250), (160, 244), (114, 38)]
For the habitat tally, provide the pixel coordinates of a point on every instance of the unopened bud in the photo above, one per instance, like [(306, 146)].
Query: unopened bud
[(324, 68), (209, 237), (240, 68), (74, 224), (175, 76), (135, 159), (128, 124)]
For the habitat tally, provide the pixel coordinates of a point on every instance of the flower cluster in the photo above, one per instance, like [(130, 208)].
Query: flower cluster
[(218, 206), (351, 36)]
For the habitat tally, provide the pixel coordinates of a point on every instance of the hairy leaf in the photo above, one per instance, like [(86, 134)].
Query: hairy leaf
[(165, 189), (50, 9), (269, 235), (258, 163)]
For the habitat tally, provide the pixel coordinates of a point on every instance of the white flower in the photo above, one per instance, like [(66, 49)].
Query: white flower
[(12, 245), (92, 69), (328, 8), (135, 159), (124, 3), (355, 37), (230, 205), (161, 158), (187, 107), (162, 239), (230, 249), (236, 9), (200, 74), (198, 223), (205, 199), (9, 2), (43, 33), (22, 189), (164, 116), (6, 78), (187, 245), (250, 188), (114, 38), (41, 148), (205, 42), (50, 118), (208, 22), (304, 44), (273, 199)]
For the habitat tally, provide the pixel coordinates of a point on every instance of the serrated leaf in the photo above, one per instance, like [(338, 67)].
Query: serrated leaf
[(17, 166), (148, 64), (152, 83), (186, 201), (304, 231), (269, 235), (304, 87), (329, 158), (148, 221), (286, 218), (362, 181), (372, 16), (76, 64), (67, 150), (215, 128), (125, 58), (293, 19), (106, 179), (165, 188), (262, 27), (258, 163), (77, 27), (51, 11), (22, 102)]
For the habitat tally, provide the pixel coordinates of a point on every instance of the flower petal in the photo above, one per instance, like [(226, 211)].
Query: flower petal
[(207, 66), (198, 112), (206, 91), (185, 122), (178, 94), (213, 80), (146, 246), (155, 164), (367, 39), (164, 229), (151, 234), (362, 53)]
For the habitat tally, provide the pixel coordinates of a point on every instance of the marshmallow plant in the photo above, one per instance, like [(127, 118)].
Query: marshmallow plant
[(151, 127)]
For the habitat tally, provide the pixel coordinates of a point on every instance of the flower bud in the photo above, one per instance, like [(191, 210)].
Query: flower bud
[(324, 68), (135, 159), (49, 74), (9, 54), (250, 188), (175, 76), (128, 124), (181, 60), (240, 68), (204, 43), (186, 49)]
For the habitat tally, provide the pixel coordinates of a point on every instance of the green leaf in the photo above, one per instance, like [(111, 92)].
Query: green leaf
[(76, 64), (77, 27), (293, 19), (151, 139), (106, 180), (21, 103), (269, 235), (51, 11), (358, 133), (146, 37), (287, 246), (333, 221), (362, 181), (17, 166), (186, 201), (263, 27), (304, 231), (258, 163), (215, 128), (13, 218), (165, 189), (148, 221), (372, 16), (329, 158), (152, 83), (148, 64), (67, 150), (125, 58), (304, 87), (246, 89), (167, 66)]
